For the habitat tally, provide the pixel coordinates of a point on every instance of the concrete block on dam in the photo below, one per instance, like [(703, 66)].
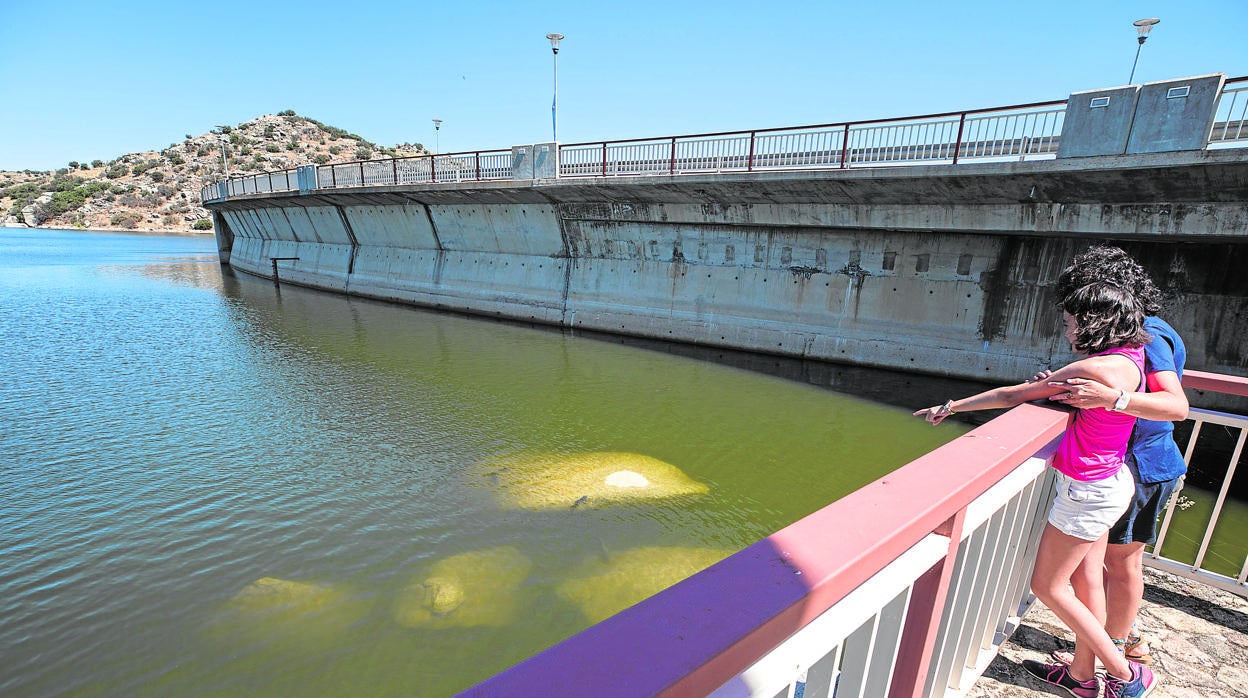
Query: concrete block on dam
[(398, 226), (513, 229), (506, 285)]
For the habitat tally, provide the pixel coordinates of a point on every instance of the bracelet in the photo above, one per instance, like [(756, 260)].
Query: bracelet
[(948, 407)]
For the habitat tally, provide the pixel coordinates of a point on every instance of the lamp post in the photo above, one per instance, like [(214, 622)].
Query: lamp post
[(1143, 26), (554, 104), (437, 136), (225, 163)]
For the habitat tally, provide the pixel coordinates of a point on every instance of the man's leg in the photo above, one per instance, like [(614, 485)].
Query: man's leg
[(1124, 587)]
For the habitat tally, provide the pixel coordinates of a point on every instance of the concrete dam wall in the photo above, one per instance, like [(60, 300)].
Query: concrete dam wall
[(939, 269)]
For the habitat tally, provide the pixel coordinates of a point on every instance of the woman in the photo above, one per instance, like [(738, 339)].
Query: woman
[(1093, 487)]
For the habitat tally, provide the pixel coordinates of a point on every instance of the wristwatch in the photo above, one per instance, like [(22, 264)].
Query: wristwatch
[(1121, 403)]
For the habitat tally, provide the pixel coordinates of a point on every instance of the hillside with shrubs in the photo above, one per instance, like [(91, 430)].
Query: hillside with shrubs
[(158, 190)]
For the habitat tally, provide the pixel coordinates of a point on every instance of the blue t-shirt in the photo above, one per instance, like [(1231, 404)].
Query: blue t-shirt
[(1155, 454)]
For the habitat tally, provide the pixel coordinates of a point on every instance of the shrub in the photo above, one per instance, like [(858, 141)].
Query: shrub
[(202, 224), (97, 163), (73, 164), (321, 159), (335, 149), (169, 220), (157, 176), (128, 219), (273, 148), (117, 171), (363, 152), (293, 145), (288, 112), (270, 130)]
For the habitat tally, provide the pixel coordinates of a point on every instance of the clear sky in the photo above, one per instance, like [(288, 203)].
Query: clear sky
[(86, 80)]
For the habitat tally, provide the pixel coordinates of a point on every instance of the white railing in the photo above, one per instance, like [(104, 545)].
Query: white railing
[(453, 167), (851, 648), (1230, 120), (1195, 566), (1023, 132)]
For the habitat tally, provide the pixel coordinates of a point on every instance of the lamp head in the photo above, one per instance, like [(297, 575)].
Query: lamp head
[(1144, 26), (554, 41), (437, 124)]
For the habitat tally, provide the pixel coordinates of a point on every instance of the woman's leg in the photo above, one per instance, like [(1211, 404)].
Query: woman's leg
[(1058, 557), (1088, 582)]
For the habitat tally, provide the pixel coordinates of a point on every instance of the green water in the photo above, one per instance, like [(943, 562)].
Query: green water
[(215, 487)]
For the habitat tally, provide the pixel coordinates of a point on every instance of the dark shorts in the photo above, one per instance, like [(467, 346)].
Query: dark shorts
[(1139, 524)]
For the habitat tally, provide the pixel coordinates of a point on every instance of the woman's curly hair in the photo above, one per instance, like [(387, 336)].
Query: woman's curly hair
[(1106, 316), (1111, 264)]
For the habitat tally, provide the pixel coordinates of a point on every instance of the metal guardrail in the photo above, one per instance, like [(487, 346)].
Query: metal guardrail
[(1012, 133), (452, 167), (1196, 566), (1019, 132), (1230, 121)]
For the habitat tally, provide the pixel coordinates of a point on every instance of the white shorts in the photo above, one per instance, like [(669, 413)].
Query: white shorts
[(1088, 509)]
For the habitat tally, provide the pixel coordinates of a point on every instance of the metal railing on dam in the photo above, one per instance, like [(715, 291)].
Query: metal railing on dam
[(906, 587), (1017, 132)]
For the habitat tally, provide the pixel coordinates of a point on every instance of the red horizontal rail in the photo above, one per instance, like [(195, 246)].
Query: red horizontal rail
[(1216, 382)]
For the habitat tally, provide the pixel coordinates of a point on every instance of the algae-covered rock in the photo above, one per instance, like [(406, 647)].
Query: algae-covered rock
[(287, 614), (282, 597), (554, 481), (602, 588), (478, 588)]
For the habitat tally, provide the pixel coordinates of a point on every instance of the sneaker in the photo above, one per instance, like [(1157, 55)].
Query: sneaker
[(1059, 675), (1141, 684)]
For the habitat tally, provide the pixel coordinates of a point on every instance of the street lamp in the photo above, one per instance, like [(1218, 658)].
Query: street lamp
[(437, 136), (554, 104), (1143, 26), (225, 163)]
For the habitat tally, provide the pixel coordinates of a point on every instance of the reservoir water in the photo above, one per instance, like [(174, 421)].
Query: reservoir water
[(216, 487)]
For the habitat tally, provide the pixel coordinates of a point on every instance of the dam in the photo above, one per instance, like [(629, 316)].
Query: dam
[(925, 244)]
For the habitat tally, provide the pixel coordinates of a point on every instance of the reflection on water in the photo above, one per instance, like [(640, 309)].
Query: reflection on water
[(217, 487)]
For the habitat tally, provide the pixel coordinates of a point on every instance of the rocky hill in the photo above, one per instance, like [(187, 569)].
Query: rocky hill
[(159, 190)]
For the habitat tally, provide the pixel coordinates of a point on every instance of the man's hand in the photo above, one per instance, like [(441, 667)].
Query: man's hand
[(1085, 393)]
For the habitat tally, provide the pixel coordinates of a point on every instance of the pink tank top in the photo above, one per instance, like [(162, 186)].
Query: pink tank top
[(1094, 446)]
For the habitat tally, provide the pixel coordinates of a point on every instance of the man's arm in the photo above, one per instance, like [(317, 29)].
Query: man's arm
[(1165, 400)]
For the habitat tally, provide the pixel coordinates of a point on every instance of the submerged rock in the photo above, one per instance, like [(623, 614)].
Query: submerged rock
[(557, 481), (478, 588), (601, 588)]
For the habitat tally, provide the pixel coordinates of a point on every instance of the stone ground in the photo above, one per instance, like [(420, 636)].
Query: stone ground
[(1198, 634)]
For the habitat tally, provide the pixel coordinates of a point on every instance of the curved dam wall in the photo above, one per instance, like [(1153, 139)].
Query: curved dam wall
[(939, 269)]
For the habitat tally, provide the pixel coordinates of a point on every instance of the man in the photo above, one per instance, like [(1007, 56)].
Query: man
[(1153, 456)]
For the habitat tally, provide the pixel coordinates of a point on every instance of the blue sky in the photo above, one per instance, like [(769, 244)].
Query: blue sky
[(95, 80)]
